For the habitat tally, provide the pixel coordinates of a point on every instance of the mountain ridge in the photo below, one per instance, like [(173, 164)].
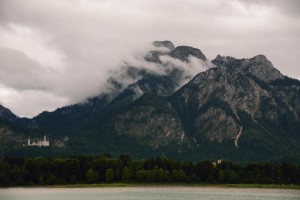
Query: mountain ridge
[(238, 109)]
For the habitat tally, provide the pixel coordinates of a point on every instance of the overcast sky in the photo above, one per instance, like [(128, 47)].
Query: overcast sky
[(55, 53)]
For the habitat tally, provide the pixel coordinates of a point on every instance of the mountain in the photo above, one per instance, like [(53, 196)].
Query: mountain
[(14, 138), (7, 115), (237, 109), (244, 103), (10, 135), (163, 80)]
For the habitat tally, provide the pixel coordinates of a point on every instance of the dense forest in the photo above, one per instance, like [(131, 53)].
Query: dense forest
[(16, 171)]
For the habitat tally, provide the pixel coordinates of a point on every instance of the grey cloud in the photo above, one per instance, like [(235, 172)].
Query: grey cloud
[(30, 102), (289, 7), (21, 73)]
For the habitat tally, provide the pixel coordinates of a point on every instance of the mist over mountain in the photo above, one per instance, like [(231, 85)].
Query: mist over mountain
[(175, 102)]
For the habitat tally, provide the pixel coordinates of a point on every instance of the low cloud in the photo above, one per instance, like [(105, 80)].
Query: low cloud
[(30, 102), (22, 73), (190, 68)]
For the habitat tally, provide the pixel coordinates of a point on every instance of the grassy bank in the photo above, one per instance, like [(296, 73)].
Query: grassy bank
[(265, 186)]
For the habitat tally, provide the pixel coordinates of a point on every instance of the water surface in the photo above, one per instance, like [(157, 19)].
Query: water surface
[(147, 193)]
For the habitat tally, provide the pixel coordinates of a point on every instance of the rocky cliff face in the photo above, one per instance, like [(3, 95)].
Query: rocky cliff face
[(258, 66), (214, 104), (167, 44), (151, 120), (184, 52)]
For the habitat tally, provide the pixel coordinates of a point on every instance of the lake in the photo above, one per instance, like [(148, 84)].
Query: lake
[(147, 193)]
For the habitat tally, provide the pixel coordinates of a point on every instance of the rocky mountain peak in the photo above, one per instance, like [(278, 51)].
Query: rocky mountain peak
[(229, 61), (166, 43), (258, 66), (262, 68), (259, 59), (183, 53), (224, 60)]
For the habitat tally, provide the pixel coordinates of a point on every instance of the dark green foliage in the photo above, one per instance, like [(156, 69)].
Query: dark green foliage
[(178, 175), (21, 130), (126, 174), (91, 176), (109, 175), (98, 169), (66, 120)]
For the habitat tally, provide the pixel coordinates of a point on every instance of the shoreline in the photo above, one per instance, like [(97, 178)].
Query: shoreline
[(108, 185)]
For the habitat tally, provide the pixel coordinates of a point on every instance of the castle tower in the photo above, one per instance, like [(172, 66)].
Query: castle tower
[(46, 142)]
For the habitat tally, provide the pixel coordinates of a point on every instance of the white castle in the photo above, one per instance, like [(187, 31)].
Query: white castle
[(39, 143)]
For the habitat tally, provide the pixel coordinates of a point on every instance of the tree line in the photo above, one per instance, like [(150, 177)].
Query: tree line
[(17, 171)]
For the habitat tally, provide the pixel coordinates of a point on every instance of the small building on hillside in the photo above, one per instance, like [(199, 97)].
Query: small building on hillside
[(217, 162), (39, 143)]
